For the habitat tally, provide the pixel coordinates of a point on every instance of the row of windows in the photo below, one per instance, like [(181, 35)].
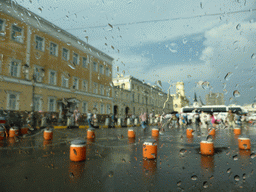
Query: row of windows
[(15, 72), (17, 35), (13, 104)]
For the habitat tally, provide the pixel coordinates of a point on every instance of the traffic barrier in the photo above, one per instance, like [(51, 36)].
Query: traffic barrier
[(207, 148), (78, 150), (244, 143), (131, 133), (2, 131), (212, 132), (190, 132), (24, 130), (14, 131), (90, 133), (237, 131), (155, 132), (150, 149), (48, 134)]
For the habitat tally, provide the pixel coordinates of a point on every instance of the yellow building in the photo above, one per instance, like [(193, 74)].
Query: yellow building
[(132, 96), (179, 99), (68, 72)]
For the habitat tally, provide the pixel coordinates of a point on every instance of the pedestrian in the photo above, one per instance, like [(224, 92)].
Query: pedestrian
[(143, 118), (89, 119), (231, 119), (197, 120), (213, 121), (76, 116)]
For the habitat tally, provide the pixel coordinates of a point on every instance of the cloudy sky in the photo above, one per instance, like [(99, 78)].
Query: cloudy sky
[(190, 41)]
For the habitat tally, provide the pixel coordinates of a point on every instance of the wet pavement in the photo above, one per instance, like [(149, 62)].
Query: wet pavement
[(115, 163)]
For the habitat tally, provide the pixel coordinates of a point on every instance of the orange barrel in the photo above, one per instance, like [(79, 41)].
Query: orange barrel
[(150, 149), (24, 130), (244, 143), (212, 132), (237, 131), (189, 132), (131, 133), (2, 131), (14, 131), (48, 134), (206, 148), (155, 132), (78, 150), (90, 133)]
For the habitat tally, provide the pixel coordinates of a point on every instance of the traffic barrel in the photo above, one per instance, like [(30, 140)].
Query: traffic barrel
[(190, 132), (2, 131), (244, 143), (48, 134), (91, 133), (155, 132), (150, 149), (207, 148), (14, 131), (78, 150), (212, 131), (131, 133), (237, 131)]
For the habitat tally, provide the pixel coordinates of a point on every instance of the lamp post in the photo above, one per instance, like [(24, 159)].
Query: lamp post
[(34, 80)]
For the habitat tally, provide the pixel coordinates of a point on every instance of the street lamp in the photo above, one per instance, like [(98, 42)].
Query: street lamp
[(34, 80)]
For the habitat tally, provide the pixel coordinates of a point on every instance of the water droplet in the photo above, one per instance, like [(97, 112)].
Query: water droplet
[(71, 175), (209, 138), (179, 183), (236, 93), (237, 178), (183, 151), (201, 5), (228, 75), (253, 56), (110, 173), (244, 176), (123, 160), (252, 155), (184, 41), (235, 157), (229, 170), (245, 146), (189, 76), (238, 27), (194, 178), (205, 184)]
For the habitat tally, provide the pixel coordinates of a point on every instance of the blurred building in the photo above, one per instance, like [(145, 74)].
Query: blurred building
[(68, 72), (179, 99), (132, 96), (215, 99)]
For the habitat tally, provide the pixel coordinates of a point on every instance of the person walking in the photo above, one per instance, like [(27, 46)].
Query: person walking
[(143, 118), (89, 119), (231, 119)]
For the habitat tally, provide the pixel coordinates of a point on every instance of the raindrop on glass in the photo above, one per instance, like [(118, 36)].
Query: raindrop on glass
[(183, 151), (238, 27), (184, 41), (209, 138), (205, 185), (236, 93), (179, 183), (194, 178), (252, 155), (235, 157), (253, 56), (237, 178), (111, 174), (228, 75), (229, 170)]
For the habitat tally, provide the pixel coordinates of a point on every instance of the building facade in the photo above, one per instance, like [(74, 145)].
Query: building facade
[(132, 96), (215, 99), (179, 99), (42, 61)]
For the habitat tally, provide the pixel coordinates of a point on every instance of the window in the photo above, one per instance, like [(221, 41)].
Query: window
[(37, 103), (15, 69), (75, 59), (38, 73), (138, 98), (2, 23), (51, 104), (53, 49), (65, 81), (95, 106), (85, 62), (101, 69), (133, 97), (65, 54), (102, 111), (107, 71), (95, 88), (108, 91), (84, 107), (13, 101), (17, 34), (108, 109), (52, 77), (85, 85), (1, 62), (102, 89), (76, 83), (95, 67), (39, 43)]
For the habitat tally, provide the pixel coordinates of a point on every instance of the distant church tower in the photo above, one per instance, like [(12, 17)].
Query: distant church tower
[(180, 89)]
